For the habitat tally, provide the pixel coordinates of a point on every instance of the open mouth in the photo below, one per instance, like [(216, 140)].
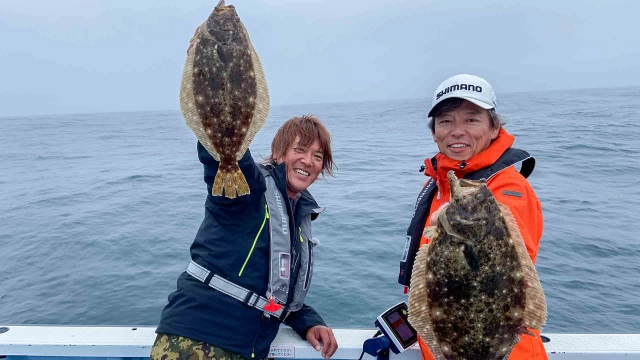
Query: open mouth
[(301, 172), (458, 146)]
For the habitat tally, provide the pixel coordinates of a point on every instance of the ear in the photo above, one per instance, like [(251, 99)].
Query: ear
[(494, 133), (280, 159), (433, 135)]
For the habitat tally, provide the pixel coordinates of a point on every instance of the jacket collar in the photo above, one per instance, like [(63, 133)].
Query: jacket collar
[(438, 166)]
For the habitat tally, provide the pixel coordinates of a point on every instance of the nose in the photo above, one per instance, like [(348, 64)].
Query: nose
[(306, 158), (458, 128)]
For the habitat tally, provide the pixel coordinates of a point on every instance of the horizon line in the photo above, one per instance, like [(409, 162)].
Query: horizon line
[(2, 117)]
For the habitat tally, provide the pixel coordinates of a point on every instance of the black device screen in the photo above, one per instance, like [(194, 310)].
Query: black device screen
[(401, 328)]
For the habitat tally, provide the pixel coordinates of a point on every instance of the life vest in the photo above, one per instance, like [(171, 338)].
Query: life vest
[(274, 302), (423, 205)]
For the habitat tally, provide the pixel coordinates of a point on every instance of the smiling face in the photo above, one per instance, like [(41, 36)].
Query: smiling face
[(303, 165), (464, 132)]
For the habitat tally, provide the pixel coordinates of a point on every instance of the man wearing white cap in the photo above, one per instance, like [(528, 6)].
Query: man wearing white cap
[(472, 142)]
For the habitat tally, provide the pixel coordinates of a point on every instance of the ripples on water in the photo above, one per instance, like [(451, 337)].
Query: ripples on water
[(97, 212)]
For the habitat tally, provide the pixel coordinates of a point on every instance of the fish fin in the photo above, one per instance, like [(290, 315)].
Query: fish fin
[(444, 221), (525, 331), (471, 256), (446, 225), (188, 103), (508, 348), (419, 315), (231, 182), (505, 357), (430, 232), (535, 312), (262, 102)]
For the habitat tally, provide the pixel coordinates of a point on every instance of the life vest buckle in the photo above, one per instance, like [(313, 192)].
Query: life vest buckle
[(250, 299)]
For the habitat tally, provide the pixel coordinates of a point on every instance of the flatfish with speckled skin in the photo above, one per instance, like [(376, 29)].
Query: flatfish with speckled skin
[(223, 95), (474, 289)]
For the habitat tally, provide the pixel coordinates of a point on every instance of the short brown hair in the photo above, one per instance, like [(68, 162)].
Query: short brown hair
[(451, 104), (309, 129)]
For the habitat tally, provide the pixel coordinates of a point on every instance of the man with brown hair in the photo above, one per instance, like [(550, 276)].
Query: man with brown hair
[(252, 259)]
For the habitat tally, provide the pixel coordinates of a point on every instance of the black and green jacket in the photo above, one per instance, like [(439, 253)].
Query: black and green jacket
[(224, 245)]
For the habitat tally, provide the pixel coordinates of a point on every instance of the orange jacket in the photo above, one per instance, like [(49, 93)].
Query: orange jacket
[(510, 188)]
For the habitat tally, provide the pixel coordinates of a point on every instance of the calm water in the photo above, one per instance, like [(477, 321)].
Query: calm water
[(97, 211)]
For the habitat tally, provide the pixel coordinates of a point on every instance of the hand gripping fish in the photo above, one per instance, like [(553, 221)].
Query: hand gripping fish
[(474, 288), (223, 95)]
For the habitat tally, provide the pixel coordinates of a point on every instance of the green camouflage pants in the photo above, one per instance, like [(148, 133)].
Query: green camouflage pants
[(173, 347)]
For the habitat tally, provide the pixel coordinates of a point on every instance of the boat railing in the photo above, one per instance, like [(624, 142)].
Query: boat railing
[(34, 342)]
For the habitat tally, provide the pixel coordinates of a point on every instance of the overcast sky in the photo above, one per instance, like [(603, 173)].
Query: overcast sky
[(70, 56)]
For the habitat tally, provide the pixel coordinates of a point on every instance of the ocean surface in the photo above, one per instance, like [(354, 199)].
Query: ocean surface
[(97, 211)]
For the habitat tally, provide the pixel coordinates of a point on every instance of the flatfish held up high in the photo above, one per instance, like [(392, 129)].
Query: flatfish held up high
[(223, 95), (474, 289)]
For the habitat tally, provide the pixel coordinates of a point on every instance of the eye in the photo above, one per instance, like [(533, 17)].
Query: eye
[(299, 150), (318, 157)]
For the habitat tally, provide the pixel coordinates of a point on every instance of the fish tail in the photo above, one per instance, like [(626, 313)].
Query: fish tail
[(231, 181)]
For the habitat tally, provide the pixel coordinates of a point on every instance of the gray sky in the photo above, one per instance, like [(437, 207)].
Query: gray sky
[(69, 56)]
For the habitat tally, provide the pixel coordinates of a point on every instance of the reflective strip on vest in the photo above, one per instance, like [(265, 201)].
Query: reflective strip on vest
[(422, 208), (227, 287)]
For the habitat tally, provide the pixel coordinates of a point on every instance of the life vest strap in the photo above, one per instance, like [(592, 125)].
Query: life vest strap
[(237, 292)]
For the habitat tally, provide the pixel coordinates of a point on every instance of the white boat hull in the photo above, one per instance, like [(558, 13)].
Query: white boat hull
[(119, 342)]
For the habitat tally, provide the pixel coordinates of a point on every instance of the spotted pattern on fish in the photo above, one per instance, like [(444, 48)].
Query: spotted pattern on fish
[(223, 94), (224, 84), (474, 289)]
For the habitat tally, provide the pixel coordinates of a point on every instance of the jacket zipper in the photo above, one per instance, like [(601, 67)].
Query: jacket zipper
[(264, 221), (255, 340), (307, 280), (295, 261)]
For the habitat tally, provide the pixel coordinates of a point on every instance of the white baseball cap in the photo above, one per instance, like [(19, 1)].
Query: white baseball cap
[(468, 87)]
